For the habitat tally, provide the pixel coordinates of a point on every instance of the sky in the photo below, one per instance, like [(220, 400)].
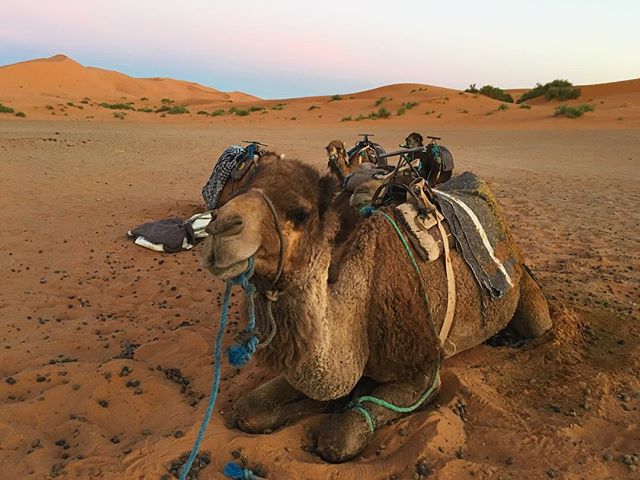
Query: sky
[(287, 48)]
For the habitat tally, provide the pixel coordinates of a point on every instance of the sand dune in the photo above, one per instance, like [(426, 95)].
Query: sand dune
[(62, 77), (60, 88)]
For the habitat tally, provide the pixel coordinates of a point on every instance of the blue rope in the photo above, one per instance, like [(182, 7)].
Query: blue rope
[(242, 355), (236, 472)]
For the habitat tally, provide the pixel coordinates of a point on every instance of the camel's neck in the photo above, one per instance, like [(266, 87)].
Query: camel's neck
[(321, 341)]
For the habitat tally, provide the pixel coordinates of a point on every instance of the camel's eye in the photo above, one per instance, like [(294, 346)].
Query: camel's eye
[(298, 215)]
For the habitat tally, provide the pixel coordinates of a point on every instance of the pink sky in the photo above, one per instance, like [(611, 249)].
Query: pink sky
[(287, 48)]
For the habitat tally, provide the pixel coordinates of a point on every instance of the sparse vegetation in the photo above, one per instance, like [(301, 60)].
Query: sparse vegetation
[(496, 93), (574, 111), (163, 108), (177, 110), (239, 112), (145, 110), (256, 108), (118, 106), (346, 119), (472, 89), (558, 89), (144, 99), (360, 117), (119, 115), (502, 107), (71, 104), (5, 109), (525, 106), (279, 106), (217, 113), (406, 106), (381, 113), (202, 112), (166, 101), (312, 107), (380, 101), (335, 98), (20, 114)]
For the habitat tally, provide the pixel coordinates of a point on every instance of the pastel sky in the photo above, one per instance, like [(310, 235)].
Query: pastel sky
[(286, 48)]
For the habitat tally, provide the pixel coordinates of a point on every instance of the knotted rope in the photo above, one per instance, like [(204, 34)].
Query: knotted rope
[(238, 356)]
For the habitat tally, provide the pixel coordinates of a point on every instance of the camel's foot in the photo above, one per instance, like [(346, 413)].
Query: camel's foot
[(532, 317), (271, 405), (343, 437)]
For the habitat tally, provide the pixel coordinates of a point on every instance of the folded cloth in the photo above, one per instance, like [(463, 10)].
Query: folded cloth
[(172, 234), (222, 170)]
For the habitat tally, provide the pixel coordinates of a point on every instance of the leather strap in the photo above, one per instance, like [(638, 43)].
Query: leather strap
[(451, 283)]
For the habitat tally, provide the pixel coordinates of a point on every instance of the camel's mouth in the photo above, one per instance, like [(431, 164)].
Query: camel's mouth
[(229, 271)]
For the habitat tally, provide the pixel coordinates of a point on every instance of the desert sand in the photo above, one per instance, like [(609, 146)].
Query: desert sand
[(94, 327)]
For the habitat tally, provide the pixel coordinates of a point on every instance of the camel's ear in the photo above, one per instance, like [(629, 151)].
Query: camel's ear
[(328, 188)]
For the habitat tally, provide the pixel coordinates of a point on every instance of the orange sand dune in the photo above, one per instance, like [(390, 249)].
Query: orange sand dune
[(57, 88), (61, 77)]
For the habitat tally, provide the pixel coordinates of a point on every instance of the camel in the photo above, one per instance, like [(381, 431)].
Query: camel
[(370, 321), (435, 169), (342, 165)]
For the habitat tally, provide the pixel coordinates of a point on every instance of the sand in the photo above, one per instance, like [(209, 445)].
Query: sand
[(93, 325)]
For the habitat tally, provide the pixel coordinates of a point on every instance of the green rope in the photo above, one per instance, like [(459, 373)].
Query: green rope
[(357, 406)]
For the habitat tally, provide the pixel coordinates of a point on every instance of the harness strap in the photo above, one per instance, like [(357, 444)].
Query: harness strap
[(451, 284)]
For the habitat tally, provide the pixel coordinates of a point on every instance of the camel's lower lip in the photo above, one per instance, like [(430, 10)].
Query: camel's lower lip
[(229, 271)]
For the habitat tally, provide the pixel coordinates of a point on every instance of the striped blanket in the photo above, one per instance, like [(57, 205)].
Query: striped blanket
[(478, 227)]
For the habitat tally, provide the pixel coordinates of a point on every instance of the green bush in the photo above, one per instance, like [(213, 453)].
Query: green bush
[(525, 106), (380, 101), (558, 89), (163, 108), (279, 106), (118, 106), (573, 111), (496, 93), (217, 113), (4, 109), (472, 89), (178, 110), (119, 115), (238, 112), (503, 106), (166, 101), (346, 119), (256, 108), (401, 111), (360, 117), (146, 110), (20, 114), (381, 113), (335, 98)]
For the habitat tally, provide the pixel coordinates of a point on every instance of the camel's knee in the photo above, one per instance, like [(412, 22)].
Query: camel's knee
[(343, 437), (532, 317)]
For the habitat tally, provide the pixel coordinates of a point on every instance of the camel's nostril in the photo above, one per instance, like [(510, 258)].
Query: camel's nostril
[(226, 226)]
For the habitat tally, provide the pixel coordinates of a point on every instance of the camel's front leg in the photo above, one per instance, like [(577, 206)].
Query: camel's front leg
[(271, 405), (347, 434)]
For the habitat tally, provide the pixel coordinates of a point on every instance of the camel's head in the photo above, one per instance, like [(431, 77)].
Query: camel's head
[(414, 140), (277, 218), (338, 160)]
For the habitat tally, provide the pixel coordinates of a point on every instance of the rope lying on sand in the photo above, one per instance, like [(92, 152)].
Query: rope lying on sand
[(238, 355)]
